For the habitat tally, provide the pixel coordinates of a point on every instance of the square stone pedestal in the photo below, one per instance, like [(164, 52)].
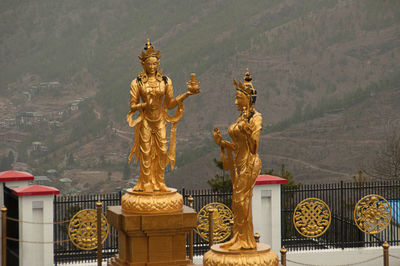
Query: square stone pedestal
[(151, 239)]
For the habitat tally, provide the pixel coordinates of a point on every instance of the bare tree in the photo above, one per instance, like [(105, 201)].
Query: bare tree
[(387, 162)]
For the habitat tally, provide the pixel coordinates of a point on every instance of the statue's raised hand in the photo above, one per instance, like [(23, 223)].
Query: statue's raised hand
[(217, 136)]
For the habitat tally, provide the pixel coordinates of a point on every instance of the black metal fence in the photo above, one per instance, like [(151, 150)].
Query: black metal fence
[(65, 207), (202, 198), (341, 199)]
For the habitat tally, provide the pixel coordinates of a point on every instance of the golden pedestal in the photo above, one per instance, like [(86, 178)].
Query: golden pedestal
[(151, 202), (263, 255), (151, 239)]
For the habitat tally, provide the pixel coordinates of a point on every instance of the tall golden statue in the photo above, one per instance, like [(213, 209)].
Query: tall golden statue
[(150, 145), (244, 164), (152, 221), (151, 95)]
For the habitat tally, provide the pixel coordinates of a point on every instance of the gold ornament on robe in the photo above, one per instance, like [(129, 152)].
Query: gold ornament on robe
[(151, 95)]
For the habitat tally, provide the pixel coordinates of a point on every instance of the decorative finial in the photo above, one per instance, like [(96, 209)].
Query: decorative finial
[(247, 86), (247, 77), (148, 44)]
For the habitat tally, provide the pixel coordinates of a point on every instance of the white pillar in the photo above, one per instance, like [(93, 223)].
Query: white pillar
[(266, 208), (12, 179), (35, 205)]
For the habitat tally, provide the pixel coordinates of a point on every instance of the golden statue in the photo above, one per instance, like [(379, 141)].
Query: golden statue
[(151, 95), (244, 168), (150, 145), (246, 165)]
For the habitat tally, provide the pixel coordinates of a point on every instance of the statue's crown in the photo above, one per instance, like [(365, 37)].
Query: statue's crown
[(149, 51), (246, 87)]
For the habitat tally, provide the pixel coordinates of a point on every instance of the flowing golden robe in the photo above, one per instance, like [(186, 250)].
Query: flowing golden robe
[(150, 144), (244, 171)]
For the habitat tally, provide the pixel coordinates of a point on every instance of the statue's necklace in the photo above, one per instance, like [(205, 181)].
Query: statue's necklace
[(154, 85)]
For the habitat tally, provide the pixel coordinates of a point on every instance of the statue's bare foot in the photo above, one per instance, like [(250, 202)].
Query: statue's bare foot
[(227, 244), (137, 187), (235, 247), (147, 188), (164, 188)]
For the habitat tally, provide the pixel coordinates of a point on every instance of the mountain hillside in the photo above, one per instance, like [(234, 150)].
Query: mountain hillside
[(331, 147), (66, 67)]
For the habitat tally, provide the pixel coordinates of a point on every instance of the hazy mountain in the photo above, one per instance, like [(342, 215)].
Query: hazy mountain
[(308, 59)]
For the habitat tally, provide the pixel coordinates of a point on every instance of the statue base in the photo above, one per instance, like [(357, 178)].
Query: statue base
[(151, 202), (151, 239), (263, 255)]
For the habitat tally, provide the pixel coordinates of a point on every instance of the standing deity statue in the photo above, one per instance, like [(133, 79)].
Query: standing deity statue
[(151, 94), (245, 166), (240, 157)]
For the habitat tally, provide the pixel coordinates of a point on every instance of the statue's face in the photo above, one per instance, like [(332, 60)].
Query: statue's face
[(241, 100), (150, 65)]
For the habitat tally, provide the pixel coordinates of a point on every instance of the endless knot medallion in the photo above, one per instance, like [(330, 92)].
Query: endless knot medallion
[(312, 217), (222, 218), (82, 229), (372, 214)]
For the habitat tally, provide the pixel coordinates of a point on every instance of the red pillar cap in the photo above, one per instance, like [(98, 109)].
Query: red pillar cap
[(12, 175), (269, 180), (35, 190)]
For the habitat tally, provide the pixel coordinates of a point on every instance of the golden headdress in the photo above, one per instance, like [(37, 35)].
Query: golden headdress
[(149, 51), (246, 87)]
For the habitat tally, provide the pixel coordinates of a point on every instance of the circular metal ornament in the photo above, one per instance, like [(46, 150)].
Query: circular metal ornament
[(372, 214), (312, 217), (82, 229), (222, 218)]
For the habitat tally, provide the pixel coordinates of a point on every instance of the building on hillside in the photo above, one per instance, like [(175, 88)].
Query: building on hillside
[(28, 95), (24, 119), (9, 122), (66, 180), (74, 106), (54, 124), (56, 115), (44, 88), (51, 172), (41, 180), (38, 146)]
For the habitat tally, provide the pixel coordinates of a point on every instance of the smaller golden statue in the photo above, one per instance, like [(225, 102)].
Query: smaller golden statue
[(151, 95), (244, 168)]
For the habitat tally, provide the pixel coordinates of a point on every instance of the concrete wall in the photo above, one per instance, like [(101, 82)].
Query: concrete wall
[(38, 209), (11, 185), (266, 207), (349, 256)]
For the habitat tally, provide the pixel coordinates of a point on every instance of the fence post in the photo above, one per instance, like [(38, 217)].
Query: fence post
[(342, 214), (283, 255), (190, 200), (210, 227), (4, 236), (385, 254), (99, 245)]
